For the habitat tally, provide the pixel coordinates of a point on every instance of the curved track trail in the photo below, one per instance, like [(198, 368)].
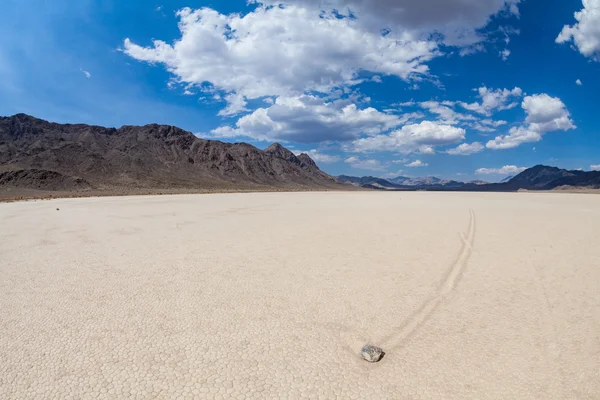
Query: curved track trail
[(404, 331)]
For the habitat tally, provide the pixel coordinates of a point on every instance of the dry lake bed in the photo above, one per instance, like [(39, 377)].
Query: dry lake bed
[(272, 295)]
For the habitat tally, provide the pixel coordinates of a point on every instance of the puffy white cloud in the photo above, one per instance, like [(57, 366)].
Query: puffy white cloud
[(310, 119), (544, 114), (585, 33), (235, 104), (543, 109), (595, 167), (466, 149), (318, 156), (426, 150), (504, 54), (506, 170), (479, 113), (371, 165), (493, 100), (487, 125), (446, 114), (578, 82), (516, 136), (282, 51), (416, 164), (456, 20), (412, 138)]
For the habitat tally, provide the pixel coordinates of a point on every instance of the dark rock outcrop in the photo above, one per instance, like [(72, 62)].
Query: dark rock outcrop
[(150, 156), (42, 180)]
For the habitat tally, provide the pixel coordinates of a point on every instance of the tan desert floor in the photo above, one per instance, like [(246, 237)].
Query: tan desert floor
[(272, 295)]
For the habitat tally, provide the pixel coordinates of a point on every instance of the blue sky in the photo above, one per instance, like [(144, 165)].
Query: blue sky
[(457, 89)]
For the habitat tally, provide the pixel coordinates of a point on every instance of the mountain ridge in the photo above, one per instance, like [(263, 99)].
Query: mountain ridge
[(538, 177), (42, 155), (149, 156)]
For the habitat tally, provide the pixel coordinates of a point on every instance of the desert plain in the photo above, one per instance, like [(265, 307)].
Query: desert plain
[(272, 295)]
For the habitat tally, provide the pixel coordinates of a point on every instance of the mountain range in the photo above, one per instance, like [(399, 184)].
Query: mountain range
[(37, 154), (539, 177), (406, 183), (40, 155)]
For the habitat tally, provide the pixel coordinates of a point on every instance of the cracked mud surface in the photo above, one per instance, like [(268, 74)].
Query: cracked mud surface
[(272, 295)]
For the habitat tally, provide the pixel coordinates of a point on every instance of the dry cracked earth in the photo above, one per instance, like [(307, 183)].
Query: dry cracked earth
[(272, 295)]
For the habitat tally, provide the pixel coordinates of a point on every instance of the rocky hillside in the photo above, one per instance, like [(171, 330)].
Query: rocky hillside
[(39, 154)]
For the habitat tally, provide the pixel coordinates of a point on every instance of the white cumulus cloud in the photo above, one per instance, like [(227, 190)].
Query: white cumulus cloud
[(466, 149), (595, 167), (370, 164), (493, 100), (585, 33), (422, 138), (478, 115), (506, 170), (578, 82), (311, 119), (282, 51), (488, 125), (456, 20), (235, 105), (445, 113), (416, 164), (544, 114), (318, 156)]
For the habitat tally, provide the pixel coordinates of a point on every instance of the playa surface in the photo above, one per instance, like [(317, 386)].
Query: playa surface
[(272, 295)]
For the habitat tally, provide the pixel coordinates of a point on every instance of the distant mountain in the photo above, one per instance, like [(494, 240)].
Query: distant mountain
[(426, 181), (399, 179), (369, 182), (590, 179), (543, 177), (540, 177), (478, 182), (400, 182), (42, 155)]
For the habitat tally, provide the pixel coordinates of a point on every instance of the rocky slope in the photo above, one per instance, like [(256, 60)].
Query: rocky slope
[(39, 154)]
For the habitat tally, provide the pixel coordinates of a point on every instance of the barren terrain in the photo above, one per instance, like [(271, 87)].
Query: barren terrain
[(272, 295)]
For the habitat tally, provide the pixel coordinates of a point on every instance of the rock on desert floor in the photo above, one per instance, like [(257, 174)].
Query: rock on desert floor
[(273, 295)]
